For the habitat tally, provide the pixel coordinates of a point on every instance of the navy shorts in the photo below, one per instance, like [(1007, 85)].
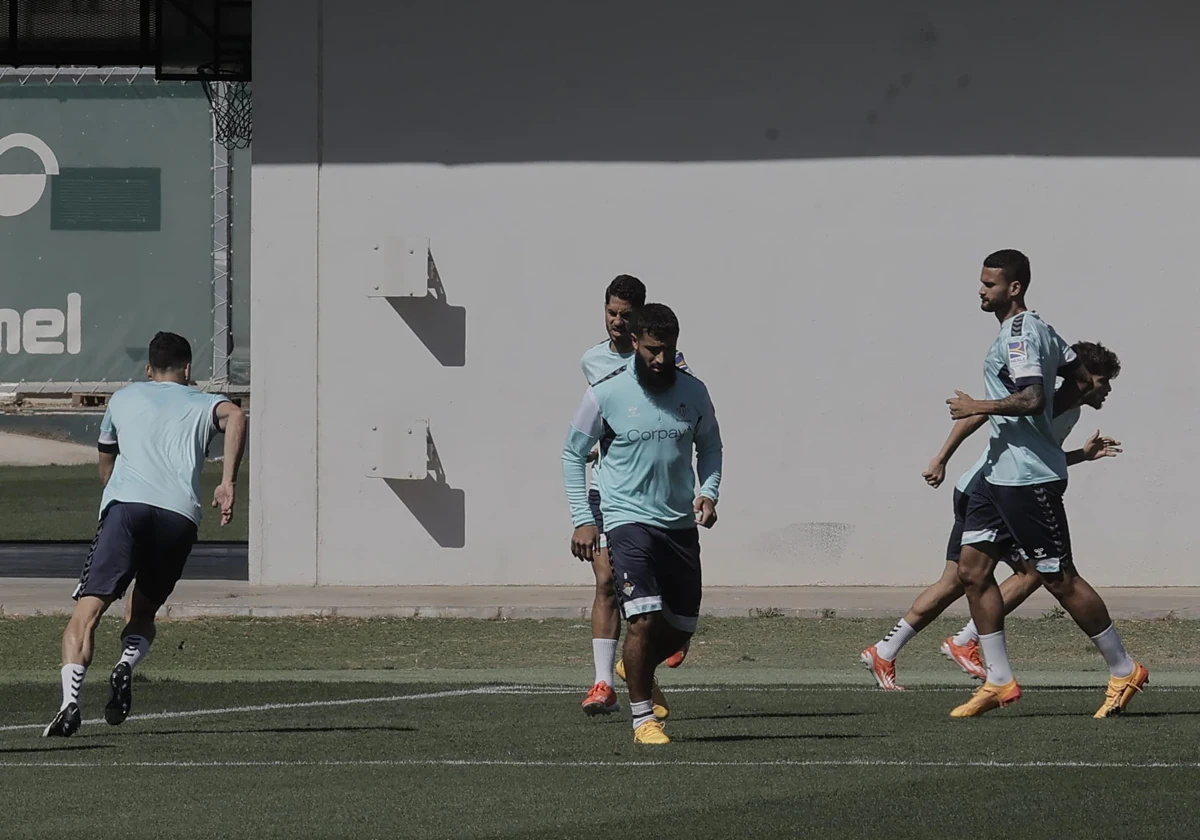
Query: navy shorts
[(594, 504), (657, 570), (954, 546), (136, 541), (1030, 520)]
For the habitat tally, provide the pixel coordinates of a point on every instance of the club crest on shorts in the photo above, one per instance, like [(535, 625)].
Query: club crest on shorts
[(627, 589)]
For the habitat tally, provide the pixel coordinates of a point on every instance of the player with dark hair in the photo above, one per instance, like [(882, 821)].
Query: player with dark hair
[(153, 440), (648, 417), (624, 296), (963, 647), (1019, 504)]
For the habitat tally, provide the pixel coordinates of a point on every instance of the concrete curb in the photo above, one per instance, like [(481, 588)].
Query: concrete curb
[(183, 612), (222, 599)]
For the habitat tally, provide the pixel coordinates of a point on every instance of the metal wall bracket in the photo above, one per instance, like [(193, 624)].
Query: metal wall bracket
[(398, 450), (402, 268)]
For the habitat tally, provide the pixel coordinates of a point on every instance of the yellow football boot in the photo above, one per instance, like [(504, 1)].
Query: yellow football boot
[(988, 697), (650, 732), (1121, 691)]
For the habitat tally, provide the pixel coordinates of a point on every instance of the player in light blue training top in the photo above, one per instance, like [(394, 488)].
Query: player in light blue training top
[(648, 418), (151, 452), (624, 296), (153, 441), (963, 647), (1019, 502)]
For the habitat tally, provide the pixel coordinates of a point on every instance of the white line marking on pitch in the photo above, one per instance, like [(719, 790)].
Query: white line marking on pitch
[(518, 690), (999, 765), (833, 689), (312, 704)]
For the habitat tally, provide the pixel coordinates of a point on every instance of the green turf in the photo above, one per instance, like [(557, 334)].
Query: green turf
[(842, 760), (527, 764), (729, 649), (61, 503)]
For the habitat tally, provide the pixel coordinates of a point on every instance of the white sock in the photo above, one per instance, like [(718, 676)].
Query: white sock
[(72, 681), (604, 654), (967, 635), (1120, 664), (897, 637), (643, 710), (135, 648), (995, 657)]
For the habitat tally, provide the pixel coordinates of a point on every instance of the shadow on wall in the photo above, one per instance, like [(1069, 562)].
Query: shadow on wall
[(440, 508), (441, 327), (681, 80)]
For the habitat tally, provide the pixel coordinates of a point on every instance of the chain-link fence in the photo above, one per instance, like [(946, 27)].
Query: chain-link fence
[(119, 216)]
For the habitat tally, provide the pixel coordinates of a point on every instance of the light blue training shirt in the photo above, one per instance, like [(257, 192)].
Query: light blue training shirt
[(1025, 451), (647, 477), (1062, 425), (161, 431), (601, 361)]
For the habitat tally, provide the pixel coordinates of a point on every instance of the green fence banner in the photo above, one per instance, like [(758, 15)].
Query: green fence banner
[(106, 215)]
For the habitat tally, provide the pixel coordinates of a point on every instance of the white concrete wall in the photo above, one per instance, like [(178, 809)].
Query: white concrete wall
[(811, 188)]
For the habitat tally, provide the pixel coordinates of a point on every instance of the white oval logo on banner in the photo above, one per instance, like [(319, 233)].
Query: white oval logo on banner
[(19, 193)]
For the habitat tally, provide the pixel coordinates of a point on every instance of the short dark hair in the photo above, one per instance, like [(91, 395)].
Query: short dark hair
[(1097, 358), (1013, 263), (628, 288), (655, 319), (169, 351)]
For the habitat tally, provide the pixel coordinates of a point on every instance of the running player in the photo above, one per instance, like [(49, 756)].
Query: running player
[(624, 296), (1020, 501), (647, 417), (153, 440), (963, 647)]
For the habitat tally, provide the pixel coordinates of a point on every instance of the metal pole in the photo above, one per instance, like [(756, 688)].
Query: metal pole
[(222, 230)]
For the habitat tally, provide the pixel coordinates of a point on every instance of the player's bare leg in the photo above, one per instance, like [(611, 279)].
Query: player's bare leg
[(1087, 608), (78, 646), (880, 658), (136, 638), (79, 639), (648, 639), (963, 647), (606, 629), (976, 569), (935, 599)]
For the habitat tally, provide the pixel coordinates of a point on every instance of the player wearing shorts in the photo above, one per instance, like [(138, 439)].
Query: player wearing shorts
[(963, 647), (1019, 504), (624, 295), (153, 440), (647, 418)]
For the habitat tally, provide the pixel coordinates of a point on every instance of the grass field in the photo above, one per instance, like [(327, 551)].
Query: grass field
[(61, 503), (443, 728)]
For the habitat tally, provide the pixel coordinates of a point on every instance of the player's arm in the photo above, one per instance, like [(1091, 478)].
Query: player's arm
[(709, 460), (586, 427), (1026, 402), (231, 420), (107, 464), (1094, 448), (935, 473), (107, 446), (1024, 363)]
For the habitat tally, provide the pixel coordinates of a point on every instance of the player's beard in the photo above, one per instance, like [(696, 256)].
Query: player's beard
[(651, 379)]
